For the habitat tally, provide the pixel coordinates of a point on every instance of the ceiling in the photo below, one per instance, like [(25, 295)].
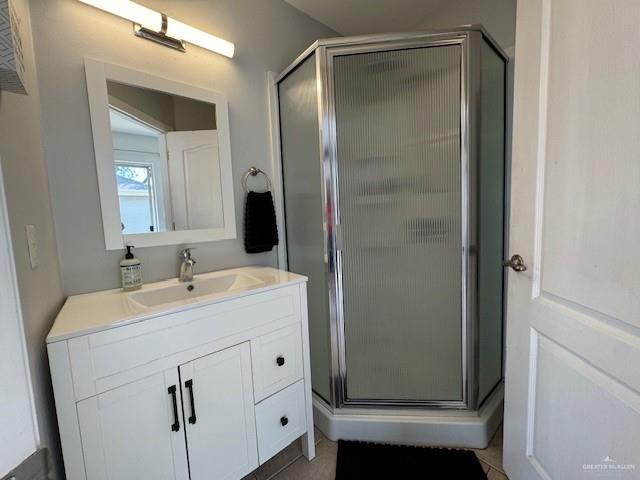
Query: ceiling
[(124, 124), (356, 17)]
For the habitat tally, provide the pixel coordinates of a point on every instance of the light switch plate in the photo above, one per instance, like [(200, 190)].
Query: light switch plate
[(32, 242)]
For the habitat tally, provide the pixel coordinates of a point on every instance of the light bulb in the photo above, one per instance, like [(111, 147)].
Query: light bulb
[(152, 20), (143, 16), (189, 34)]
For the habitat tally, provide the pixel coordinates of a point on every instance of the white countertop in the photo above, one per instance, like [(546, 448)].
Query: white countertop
[(94, 312)]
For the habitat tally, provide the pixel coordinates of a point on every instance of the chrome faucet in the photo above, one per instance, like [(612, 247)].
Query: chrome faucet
[(186, 266)]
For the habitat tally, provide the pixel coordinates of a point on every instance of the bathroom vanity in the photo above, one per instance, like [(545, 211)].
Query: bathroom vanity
[(202, 380)]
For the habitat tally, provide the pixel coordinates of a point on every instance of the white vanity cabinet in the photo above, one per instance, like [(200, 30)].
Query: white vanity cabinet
[(201, 389), (219, 414), (125, 435)]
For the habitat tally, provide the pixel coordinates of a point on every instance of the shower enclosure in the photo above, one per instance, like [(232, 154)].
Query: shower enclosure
[(393, 161)]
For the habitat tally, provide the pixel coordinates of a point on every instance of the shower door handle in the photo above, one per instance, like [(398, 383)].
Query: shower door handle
[(516, 263)]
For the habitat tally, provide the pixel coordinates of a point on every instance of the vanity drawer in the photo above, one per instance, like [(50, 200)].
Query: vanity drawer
[(280, 419), (108, 359), (276, 361)]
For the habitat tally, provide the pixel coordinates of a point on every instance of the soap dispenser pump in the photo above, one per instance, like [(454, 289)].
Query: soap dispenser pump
[(130, 271)]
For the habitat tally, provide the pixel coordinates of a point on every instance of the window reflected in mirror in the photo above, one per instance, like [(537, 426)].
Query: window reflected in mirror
[(166, 160)]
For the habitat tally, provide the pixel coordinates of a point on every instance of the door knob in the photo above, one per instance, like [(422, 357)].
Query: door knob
[(516, 263)]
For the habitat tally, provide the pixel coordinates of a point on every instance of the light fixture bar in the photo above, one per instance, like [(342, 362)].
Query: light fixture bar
[(157, 37), (158, 27), (161, 36)]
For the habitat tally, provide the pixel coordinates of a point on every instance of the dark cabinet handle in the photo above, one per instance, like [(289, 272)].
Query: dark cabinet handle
[(176, 421), (284, 421), (280, 361), (189, 385)]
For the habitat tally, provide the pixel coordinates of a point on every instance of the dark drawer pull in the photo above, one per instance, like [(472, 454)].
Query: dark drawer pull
[(284, 421), (176, 421), (280, 361), (189, 385)]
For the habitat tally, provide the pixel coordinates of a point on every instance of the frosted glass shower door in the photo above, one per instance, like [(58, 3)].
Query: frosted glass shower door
[(398, 162), (302, 175)]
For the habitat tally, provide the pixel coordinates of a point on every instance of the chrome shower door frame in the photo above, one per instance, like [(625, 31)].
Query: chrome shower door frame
[(325, 55)]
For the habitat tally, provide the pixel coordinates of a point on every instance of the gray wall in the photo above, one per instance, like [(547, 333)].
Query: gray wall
[(361, 17), (497, 16), (268, 34), (155, 105), (193, 114), (170, 112), (28, 203)]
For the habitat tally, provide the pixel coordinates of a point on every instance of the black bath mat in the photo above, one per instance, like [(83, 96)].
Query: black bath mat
[(370, 461)]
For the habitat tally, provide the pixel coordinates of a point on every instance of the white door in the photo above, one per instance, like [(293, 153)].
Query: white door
[(573, 317), (219, 411), (195, 179), (19, 434), (135, 432)]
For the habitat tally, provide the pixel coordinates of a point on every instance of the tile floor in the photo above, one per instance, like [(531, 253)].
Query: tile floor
[(291, 465)]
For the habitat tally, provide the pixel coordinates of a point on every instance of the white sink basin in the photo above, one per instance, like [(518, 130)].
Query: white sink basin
[(98, 311), (179, 292)]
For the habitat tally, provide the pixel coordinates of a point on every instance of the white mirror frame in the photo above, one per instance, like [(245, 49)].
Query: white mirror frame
[(97, 74)]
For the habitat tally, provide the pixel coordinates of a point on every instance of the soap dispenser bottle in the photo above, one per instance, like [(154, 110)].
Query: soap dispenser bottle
[(130, 271)]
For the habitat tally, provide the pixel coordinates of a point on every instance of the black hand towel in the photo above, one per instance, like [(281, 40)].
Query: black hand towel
[(260, 229)]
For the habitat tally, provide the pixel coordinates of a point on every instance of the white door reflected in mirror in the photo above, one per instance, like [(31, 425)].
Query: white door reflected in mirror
[(163, 158), (194, 170), (167, 165)]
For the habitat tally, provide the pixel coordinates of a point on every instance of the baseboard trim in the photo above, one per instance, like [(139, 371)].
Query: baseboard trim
[(424, 427)]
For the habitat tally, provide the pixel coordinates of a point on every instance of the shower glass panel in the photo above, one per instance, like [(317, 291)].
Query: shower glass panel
[(491, 219), (399, 186), (304, 208)]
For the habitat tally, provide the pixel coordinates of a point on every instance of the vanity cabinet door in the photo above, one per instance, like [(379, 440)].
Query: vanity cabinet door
[(136, 431), (219, 412)]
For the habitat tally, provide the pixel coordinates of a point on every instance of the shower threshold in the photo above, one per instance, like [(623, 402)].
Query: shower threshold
[(424, 427)]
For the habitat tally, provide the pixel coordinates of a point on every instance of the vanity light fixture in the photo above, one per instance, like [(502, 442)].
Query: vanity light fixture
[(158, 27)]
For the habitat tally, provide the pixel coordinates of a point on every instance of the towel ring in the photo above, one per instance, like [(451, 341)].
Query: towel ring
[(254, 171)]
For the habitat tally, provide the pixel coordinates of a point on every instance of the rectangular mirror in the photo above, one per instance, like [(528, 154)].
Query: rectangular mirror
[(163, 159)]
